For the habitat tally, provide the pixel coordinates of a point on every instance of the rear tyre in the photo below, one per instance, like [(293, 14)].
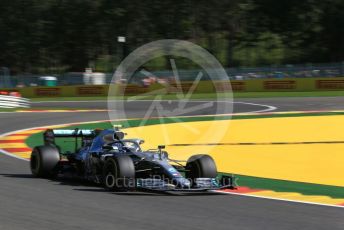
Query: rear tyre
[(119, 173), (200, 166), (44, 161)]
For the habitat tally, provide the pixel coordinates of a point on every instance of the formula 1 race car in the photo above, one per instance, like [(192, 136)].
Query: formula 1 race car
[(119, 164)]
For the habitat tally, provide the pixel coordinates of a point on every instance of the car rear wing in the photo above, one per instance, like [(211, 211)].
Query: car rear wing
[(50, 134), (73, 132)]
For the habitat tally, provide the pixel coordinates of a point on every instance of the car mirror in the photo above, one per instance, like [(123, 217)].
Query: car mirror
[(118, 135), (164, 154)]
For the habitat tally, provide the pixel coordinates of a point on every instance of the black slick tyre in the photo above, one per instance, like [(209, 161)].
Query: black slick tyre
[(44, 161), (118, 173)]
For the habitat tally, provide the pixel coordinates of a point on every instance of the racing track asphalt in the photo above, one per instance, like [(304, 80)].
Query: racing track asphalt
[(282, 104), (30, 203)]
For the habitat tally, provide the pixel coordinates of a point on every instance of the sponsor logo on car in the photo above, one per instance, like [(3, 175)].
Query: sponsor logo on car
[(172, 170)]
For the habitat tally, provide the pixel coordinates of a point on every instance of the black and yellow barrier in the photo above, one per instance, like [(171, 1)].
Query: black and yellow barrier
[(252, 85), (64, 91)]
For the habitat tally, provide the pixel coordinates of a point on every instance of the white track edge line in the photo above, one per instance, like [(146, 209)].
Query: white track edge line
[(280, 199)]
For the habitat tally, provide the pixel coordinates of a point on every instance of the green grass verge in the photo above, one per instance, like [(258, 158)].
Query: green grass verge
[(288, 94), (8, 110), (96, 98), (249, 181), (212, 96), (289, 186), (39, 108)]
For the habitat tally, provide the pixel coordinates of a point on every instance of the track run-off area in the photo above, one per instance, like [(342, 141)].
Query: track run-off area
[(275, 153)]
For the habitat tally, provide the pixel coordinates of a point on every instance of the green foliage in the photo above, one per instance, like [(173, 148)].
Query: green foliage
[(41, 36), (267, 49)]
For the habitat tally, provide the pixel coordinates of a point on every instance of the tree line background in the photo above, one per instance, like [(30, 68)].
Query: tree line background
[(40, 36)]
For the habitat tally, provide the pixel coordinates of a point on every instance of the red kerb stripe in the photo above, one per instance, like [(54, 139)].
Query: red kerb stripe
[(13, 150), (242, 190)]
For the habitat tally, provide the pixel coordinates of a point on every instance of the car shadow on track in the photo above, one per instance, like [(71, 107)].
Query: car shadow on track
[(17, 175), (88, 186), (152, 193)]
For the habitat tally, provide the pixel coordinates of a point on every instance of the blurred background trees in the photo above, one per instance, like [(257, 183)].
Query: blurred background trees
[(68, 35)]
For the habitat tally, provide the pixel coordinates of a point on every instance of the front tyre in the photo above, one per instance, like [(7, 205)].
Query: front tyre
[(118, 173), (200, 166), (44, 161)]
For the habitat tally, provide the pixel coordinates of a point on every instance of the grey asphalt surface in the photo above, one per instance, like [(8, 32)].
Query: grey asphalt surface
[(30, 203), (282, 104)]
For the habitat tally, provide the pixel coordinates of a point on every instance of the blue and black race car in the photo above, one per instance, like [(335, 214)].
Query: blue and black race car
[(107, 158)]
